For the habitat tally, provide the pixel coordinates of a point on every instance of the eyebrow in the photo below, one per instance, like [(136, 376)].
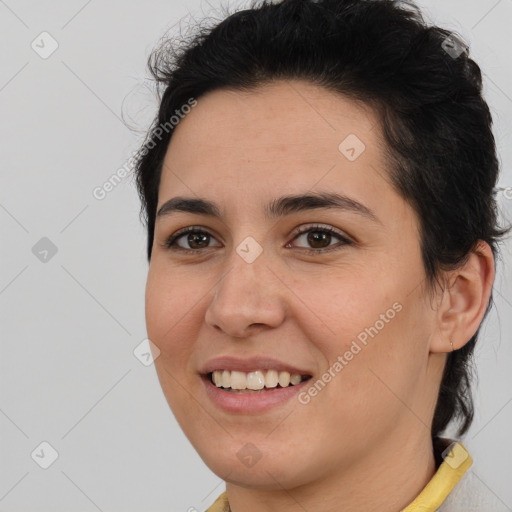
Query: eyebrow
[(279, 207)]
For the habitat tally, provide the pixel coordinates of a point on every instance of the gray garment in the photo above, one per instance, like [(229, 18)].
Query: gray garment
[(472, 495)]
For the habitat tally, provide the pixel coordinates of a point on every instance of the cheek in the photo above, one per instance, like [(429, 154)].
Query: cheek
[(170, 309), (172, 325), (343, 302), (367, 321)]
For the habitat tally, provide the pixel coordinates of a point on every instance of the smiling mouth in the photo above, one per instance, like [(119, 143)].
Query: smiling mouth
[(254, 382)]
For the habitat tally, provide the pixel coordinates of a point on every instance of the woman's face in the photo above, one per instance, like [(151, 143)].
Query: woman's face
[(346, 308)]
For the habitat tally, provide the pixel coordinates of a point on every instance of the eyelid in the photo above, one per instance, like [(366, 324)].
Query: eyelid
[(304, 228), (170, 241), (344, 238)]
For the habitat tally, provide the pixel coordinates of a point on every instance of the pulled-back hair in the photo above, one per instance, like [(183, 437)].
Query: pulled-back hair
[(437, 127)]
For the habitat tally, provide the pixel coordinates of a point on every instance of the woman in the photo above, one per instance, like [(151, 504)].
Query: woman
[(322, 237)]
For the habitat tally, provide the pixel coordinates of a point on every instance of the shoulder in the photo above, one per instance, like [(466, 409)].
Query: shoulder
[(472, 495), (220, 505)]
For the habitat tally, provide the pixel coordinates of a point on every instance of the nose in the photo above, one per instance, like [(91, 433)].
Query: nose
[(249, 296)]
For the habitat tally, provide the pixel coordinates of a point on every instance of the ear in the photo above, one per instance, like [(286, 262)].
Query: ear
[(464, 301)]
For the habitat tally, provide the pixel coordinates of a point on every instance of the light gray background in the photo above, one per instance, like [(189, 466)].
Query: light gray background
[(69, 326)]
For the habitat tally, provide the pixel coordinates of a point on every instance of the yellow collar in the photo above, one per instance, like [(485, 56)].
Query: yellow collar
[(456, 462)]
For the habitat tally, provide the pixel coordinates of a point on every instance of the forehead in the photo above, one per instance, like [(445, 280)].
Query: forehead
[(284, 136), (284, 115)]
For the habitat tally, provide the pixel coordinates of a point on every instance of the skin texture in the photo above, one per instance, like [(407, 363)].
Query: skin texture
[(364, 441)]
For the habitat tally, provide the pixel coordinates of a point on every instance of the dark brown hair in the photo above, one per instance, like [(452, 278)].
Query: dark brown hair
[(437, 126)]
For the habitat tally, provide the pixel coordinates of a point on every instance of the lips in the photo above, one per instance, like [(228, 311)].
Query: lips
[(249, 401)]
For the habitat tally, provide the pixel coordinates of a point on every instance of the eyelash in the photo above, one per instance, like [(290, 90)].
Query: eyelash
[(170, 242)]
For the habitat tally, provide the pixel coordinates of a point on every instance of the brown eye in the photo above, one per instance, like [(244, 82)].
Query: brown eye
[(197, 240), (319, 239), (190, 239)]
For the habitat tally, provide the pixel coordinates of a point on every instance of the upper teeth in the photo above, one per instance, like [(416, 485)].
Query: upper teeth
[(254, 380)]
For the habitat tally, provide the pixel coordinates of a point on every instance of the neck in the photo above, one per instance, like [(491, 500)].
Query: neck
[(388, 480)]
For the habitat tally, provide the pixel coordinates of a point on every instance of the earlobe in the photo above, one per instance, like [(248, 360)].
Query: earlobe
[(464, 301)]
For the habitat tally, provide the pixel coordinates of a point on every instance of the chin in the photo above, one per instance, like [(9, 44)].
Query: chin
[(248, 468)]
